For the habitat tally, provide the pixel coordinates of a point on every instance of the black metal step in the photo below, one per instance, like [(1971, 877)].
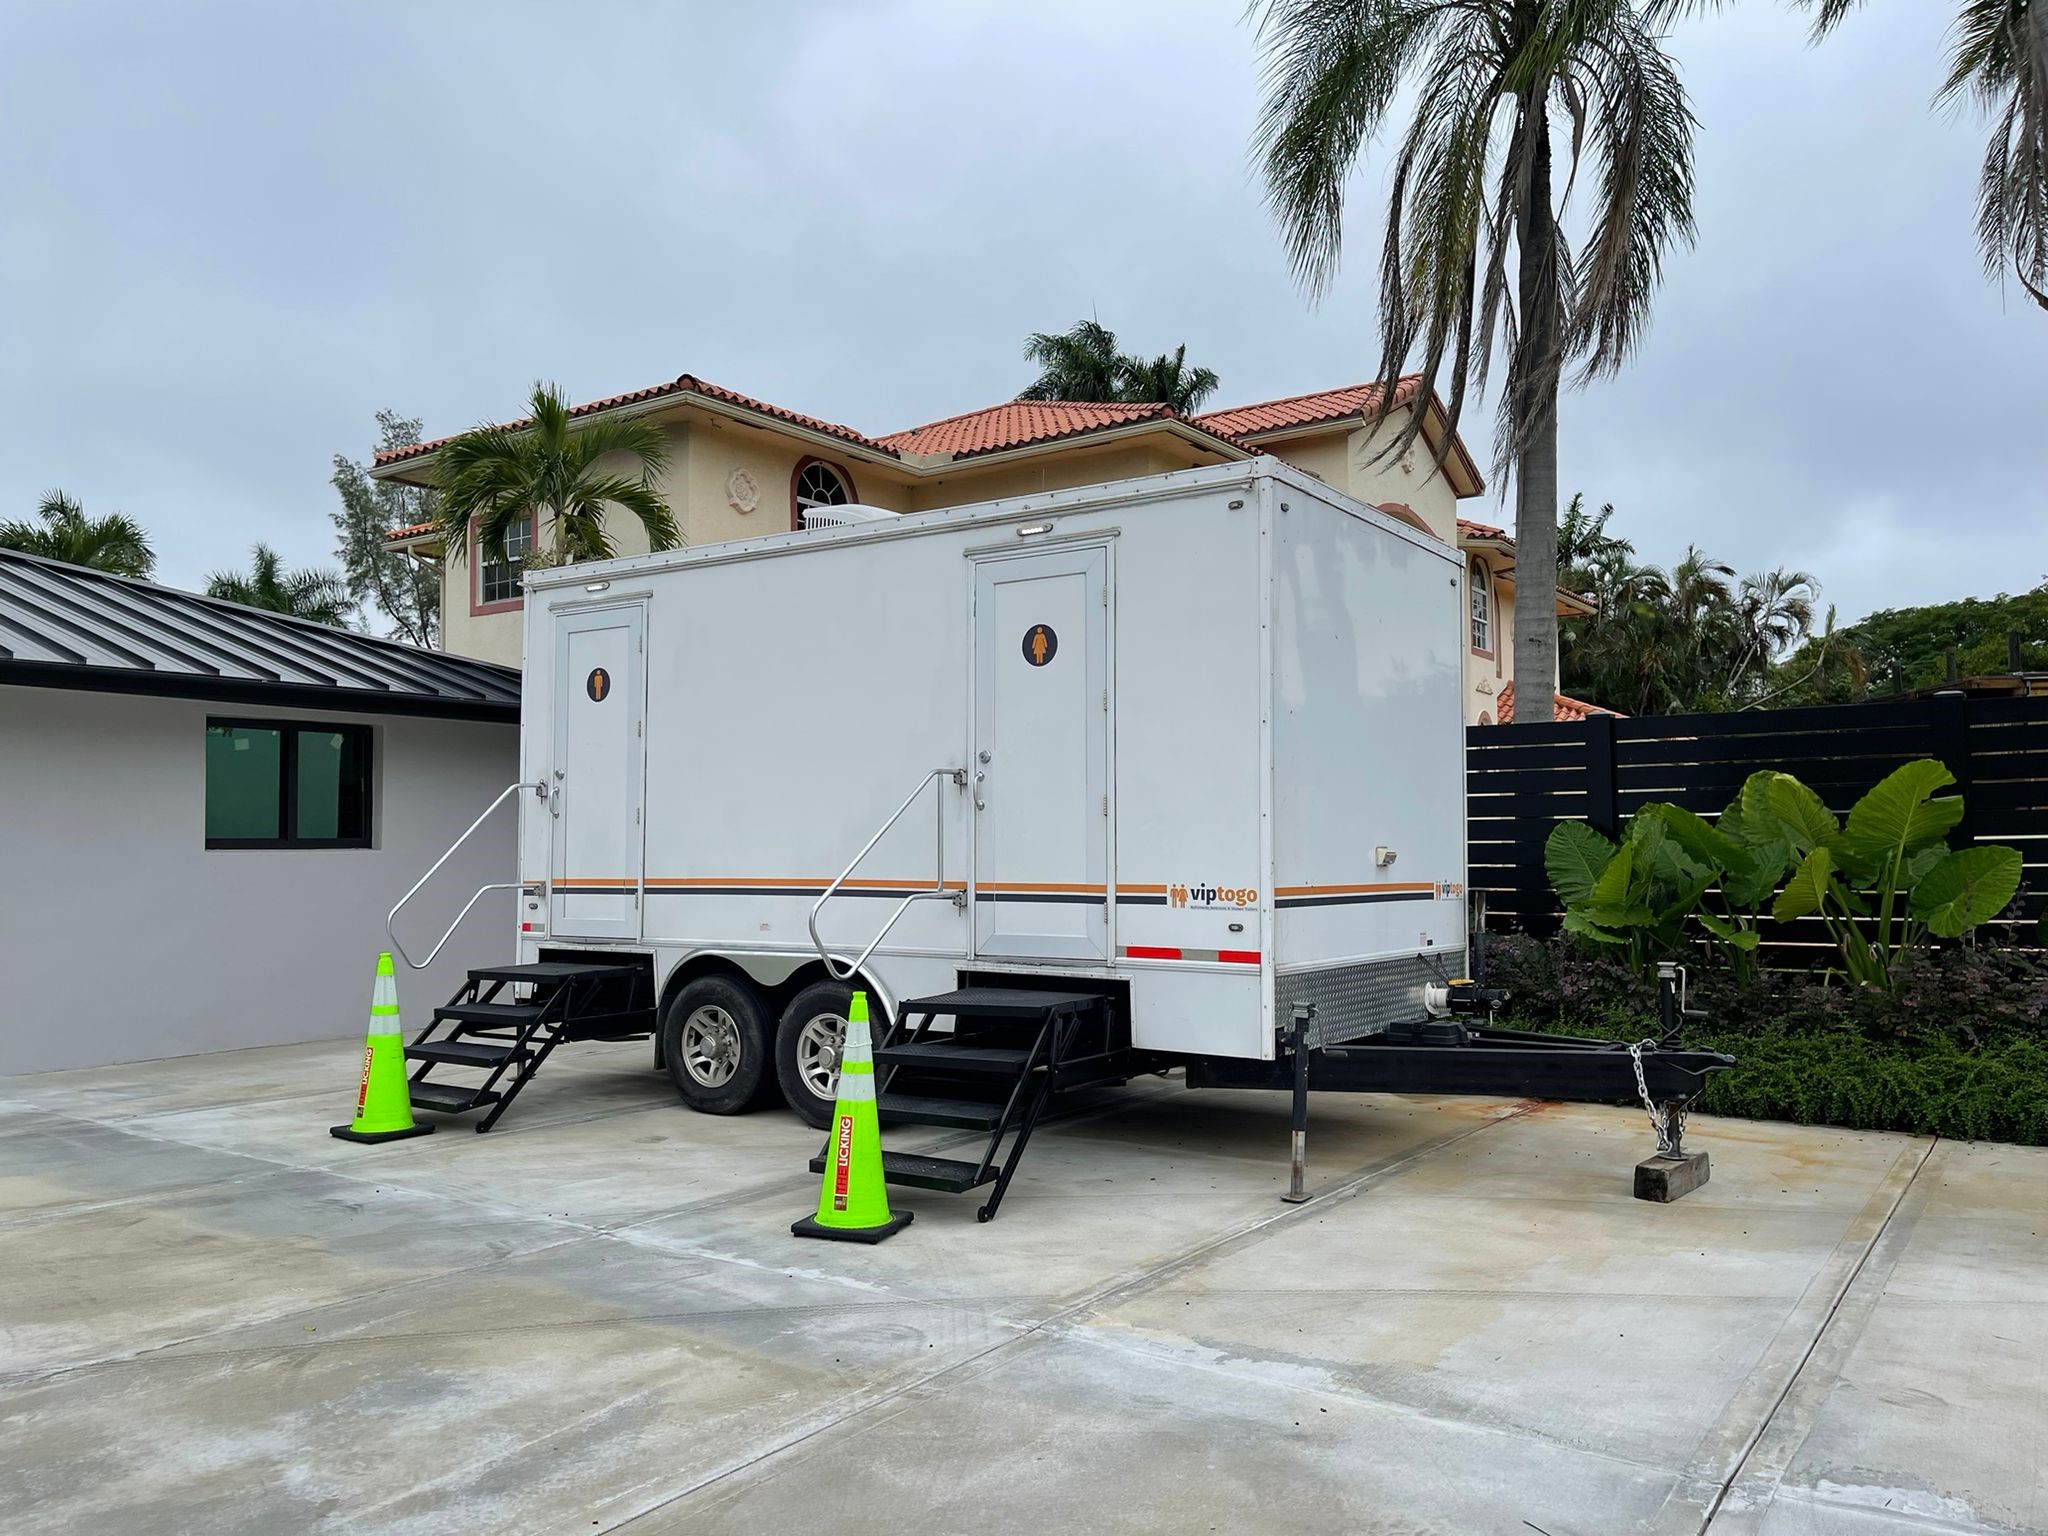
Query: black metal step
[(941, 1053), (490, 1013), (943, 1173), (922, 1109), (464, 1053), (453, 1098), (997, 1002), (552, 972)]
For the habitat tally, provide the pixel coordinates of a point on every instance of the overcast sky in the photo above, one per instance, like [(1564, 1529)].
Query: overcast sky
[(229, 233)]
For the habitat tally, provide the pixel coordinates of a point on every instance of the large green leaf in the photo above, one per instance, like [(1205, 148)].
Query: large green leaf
[(1573, 857), (1970, 886), (1706, 846), (1612, 899), (1753, 875), (1728, 933), (1807, 891), (1897, 817), (1573, 923), (1800, 814)]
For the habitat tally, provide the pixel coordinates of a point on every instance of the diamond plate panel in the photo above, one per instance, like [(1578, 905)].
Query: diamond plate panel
[(1352, 1001)]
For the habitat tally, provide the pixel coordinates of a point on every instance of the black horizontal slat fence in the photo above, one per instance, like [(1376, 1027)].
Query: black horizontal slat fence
[(1521, 780)]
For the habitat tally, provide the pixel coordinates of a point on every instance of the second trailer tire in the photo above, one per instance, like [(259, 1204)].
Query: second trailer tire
[(807, 1045), (715, 1040)]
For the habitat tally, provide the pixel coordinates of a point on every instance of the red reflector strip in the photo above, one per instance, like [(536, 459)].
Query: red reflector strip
[(526, 927), (1200, 956)]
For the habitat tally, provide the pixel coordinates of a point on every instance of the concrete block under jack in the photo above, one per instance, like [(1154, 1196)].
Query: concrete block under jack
[(1664, 1179)]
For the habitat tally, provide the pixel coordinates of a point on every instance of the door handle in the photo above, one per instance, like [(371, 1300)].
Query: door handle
[(979, 803), (555, 801)]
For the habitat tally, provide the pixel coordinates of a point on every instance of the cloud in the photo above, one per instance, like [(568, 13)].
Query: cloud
[(234, 232)]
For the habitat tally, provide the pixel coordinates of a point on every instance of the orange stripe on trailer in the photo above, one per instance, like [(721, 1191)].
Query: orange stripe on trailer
[(1354, 890), (1050, 887)]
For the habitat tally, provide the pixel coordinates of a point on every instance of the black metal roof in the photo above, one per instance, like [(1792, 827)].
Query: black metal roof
[(64, 626)]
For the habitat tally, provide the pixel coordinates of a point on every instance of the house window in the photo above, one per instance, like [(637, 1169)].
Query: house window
[(817, 484), (497, 572), (279, 784), (1482, 609)]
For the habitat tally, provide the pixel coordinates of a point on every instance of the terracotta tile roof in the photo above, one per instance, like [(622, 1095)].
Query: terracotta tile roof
[(1568, 708), (683, 384), (1324, 405), (410, 531), (1018, 423), (1471, 530)]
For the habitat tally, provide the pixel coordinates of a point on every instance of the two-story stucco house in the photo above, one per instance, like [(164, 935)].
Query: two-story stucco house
[(740, 467)]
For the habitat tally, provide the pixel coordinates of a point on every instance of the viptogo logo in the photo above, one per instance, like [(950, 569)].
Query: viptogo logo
[(1212, 896)]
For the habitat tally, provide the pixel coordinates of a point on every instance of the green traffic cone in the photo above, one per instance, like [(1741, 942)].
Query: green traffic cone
[(853, 1201), (384, 1100)]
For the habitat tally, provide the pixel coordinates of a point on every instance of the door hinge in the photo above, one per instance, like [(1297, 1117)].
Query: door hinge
[(1105, 698), (636, 817), (639, 727), (1105, 805)]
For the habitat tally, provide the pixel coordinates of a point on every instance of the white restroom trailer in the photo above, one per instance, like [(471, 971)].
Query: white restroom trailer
[(1166, 773), (1197, 735)]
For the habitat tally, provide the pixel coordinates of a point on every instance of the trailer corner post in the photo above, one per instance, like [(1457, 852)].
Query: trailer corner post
[(1297, 1175)]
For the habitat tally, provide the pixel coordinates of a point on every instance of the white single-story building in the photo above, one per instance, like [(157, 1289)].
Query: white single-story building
[(209, 810)]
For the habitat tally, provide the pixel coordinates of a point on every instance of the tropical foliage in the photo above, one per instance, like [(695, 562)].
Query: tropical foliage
[(1693, 637), (1998, 57), (1883, 883), (1482, 254), (1898, 650), (62, 531), (406, 591), (319, 595), (553, 469), (1084, 364)]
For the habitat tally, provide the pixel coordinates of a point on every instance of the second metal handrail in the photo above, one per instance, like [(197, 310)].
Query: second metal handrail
[(938, 889), (391, 918)]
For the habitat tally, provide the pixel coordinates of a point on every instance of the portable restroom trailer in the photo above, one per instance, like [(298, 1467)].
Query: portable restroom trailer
[(1109, 779)]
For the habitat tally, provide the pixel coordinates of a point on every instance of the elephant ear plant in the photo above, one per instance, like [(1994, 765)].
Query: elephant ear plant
[(1883, 883), (1887, 880)]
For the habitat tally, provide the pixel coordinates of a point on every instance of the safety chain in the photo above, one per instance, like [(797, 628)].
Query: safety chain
[(1670, 1129)]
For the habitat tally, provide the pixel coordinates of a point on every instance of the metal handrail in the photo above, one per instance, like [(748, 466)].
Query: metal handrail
[(938, 890), (391, 918)]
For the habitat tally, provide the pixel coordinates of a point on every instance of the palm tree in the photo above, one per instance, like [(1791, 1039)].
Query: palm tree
[(1494, 82), (321, 596), (1999, 56), (1773, 613), (1168, 379), (1084, 364), (114, 543), (548, 469)]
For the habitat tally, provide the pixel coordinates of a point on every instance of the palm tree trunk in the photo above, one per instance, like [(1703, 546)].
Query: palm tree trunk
[(1535, 387)]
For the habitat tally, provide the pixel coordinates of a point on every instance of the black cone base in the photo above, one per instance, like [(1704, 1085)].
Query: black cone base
[(348, 1134), (809, 1227)]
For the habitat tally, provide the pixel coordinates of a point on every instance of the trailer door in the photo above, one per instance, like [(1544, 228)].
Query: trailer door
[(598, 773), (1041, 740)]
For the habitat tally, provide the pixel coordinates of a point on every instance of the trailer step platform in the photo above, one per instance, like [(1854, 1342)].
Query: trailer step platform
[(949, 1174), (1018, 1044), (507, 1019)]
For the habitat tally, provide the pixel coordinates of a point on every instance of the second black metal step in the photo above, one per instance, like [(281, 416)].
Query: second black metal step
[(940, 1051), (924, 1109), (943, 1173), (462, 1053), (490, 1013)]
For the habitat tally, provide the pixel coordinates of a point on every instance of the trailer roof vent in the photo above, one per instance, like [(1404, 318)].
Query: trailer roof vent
[(844, 515)]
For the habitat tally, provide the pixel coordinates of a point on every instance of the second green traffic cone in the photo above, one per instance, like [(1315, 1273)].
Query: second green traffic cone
[(853, 1201)]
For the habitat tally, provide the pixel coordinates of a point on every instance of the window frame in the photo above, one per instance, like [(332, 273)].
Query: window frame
[(845, 477), (1479, 580), (477, 606), (289, 731)]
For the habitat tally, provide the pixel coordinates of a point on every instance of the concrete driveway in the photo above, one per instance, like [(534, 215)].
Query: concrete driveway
[(214, 1317)]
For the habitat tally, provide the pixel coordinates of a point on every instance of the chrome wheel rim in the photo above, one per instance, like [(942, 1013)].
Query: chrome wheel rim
[(711, 1046), (818, 1045)]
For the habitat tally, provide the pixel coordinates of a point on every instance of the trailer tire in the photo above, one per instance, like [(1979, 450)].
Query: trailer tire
[(715, 1041), (814, 1020)]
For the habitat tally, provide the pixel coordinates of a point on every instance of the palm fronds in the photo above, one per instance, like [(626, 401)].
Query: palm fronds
[(115, 543)]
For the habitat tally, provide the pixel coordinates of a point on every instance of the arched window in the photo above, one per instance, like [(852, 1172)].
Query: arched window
[(1482, 609), (817, 484)]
